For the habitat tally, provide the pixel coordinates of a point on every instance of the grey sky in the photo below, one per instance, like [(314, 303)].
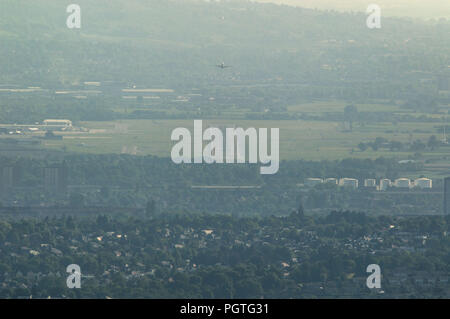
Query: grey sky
[(412, 8)]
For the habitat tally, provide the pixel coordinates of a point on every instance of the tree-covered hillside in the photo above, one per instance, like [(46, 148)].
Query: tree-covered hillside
[(177, 43)]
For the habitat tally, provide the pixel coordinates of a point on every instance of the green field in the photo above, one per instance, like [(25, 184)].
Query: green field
[(310, 139), (299, 139)]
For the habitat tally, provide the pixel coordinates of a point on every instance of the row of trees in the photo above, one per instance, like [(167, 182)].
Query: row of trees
[(432, 144)]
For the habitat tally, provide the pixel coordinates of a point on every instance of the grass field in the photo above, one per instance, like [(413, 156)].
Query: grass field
[(299, 139), (310, 140)]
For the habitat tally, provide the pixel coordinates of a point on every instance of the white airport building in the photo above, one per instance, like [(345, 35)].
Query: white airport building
[(53, 122), (403, 183)]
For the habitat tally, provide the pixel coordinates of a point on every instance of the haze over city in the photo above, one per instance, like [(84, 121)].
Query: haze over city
[(191, 149)]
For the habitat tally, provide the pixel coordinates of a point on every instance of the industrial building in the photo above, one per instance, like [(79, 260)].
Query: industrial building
[(447, 195), (370, 182), (402, 183), (8, 178), (385, 183), (313, 181), (423, 183), (350, 182), (56, 178), (53, 122), (332, 180), (57, 125)]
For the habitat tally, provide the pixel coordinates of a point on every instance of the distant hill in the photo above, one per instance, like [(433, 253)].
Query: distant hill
[(425, 9), (178, 43)]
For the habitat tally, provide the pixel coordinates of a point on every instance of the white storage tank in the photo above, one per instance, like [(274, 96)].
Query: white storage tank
[(423, 183), (385, 183), (403, 183), (313, 181), (351, 182), (331, 180), (370, 182)]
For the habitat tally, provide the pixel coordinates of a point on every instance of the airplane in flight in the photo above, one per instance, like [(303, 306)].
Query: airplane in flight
[(223, 66)]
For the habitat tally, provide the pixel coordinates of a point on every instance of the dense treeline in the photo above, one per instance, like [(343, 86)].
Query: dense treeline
[(128, 170), (134, 181)]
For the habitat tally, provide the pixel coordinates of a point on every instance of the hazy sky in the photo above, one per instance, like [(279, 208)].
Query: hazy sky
[(413, 8)]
